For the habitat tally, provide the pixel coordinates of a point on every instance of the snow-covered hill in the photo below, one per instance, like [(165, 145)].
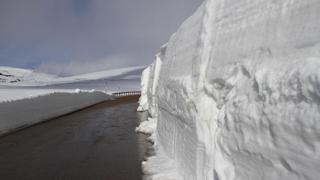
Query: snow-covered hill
[(235, 94), (23, 77), (122, 73), (10, 75), (18, 83)]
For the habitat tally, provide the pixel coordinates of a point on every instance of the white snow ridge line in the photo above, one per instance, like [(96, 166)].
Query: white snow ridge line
[(22, 113), (235, 94)]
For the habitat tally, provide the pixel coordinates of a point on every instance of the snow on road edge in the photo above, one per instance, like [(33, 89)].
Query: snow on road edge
[(22, 113)]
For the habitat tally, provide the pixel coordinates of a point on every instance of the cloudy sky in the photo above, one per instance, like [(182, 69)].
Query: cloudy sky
[(77, 36)]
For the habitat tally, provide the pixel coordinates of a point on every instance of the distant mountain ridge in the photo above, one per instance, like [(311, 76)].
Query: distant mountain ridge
[(19, 77)]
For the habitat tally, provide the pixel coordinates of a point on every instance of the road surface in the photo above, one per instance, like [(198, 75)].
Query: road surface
[(95, 143)]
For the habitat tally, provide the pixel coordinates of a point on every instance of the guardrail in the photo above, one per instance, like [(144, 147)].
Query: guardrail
[(126, 93)]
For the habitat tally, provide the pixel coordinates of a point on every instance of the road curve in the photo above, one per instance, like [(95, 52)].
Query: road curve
[(95, 143)]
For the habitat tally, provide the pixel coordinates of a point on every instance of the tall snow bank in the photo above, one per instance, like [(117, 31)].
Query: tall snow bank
[(26, 112), (238, 94), (143, 101)]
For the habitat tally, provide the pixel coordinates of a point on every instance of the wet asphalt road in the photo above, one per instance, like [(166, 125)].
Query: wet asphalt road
[(98, 143)]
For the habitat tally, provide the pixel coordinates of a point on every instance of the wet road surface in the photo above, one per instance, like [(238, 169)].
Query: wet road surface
[(95, 143)]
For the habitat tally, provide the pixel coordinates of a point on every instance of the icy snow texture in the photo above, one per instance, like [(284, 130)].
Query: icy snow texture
[(237, 93), (143, 101), (150, 80)]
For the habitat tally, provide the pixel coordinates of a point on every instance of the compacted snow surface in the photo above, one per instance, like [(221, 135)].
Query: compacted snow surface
[(235, 94)]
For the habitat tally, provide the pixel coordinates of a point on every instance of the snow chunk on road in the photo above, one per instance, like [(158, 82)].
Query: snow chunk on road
[(147, 127)]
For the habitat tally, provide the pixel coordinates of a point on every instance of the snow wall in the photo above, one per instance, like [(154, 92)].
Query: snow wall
[(22, 113), (235, 93)]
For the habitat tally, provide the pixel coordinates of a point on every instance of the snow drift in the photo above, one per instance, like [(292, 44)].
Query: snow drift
[(18, 114), (235, 94)]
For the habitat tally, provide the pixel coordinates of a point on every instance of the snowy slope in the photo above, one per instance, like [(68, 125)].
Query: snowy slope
[(23, 77), (22, 83), (9, 75), (129, 72), (237, 94)]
